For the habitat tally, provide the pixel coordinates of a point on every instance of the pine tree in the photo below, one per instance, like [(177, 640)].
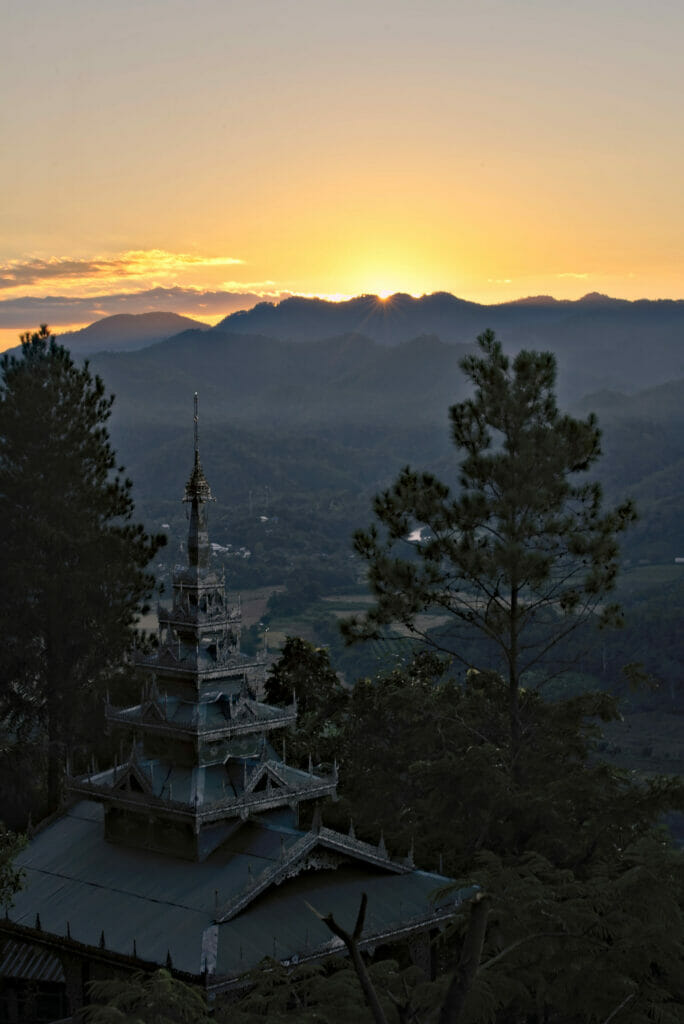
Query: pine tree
[(73, 576), (524, 553)]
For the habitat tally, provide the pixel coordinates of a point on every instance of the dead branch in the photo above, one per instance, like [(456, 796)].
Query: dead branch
[(351, 941)]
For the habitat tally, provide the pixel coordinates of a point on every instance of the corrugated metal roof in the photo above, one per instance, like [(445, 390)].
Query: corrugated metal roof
[(19, 960), (166, 904)]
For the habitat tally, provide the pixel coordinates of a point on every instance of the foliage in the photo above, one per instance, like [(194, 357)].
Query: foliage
[(10, 877), (524, 554), (418, 750), (327, 992), (157, 998), (483, 775), (573, 945), (304, 671), (73, 574), (583, 883)]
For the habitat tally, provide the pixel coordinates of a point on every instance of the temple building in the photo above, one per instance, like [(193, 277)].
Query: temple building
[(189, 851)]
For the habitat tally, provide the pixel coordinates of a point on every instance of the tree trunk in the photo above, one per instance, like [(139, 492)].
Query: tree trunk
[(513, 688), (468, 964), (54, 765), (55, 682), (351, 941)]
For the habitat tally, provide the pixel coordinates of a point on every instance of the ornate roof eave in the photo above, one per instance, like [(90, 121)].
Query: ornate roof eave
[(183, 667), (437, 918), (201, 813), (65, 944), (135, 717)]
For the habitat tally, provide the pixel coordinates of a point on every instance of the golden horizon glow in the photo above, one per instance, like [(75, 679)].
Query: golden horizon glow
[(225, 151)]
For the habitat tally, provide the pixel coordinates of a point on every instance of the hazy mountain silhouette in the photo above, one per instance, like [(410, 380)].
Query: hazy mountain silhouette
[(127, 331), (401, 317), (389, 322), (346, 412), (600, 342), (255, 379)]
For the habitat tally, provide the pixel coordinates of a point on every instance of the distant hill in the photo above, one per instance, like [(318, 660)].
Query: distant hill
[(125, 332), (257, 380), (388, 322), (382, 406), (600, 342), (335, 409), (253, 378)]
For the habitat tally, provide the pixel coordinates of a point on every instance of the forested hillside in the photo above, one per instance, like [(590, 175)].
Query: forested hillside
[(298, 436)]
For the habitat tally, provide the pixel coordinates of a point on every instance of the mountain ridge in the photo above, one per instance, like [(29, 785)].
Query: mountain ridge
[(401, 317)]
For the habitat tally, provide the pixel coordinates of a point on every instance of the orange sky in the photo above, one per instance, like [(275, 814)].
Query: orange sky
[(222, 152)]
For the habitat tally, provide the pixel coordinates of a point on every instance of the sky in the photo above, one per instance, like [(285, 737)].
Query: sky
[(203, 156)]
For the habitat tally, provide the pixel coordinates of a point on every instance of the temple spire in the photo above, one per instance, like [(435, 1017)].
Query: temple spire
[(197, 493), (196, 422)]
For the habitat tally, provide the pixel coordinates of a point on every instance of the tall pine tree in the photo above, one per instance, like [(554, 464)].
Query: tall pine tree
[(73, 575), (524, 553)]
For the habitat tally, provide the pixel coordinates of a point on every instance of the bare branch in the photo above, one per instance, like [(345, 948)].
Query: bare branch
[(352, 944), (617, 1009)]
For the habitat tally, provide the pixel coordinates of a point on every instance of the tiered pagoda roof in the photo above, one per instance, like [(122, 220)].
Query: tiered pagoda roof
[(200, 757), (188, 850)]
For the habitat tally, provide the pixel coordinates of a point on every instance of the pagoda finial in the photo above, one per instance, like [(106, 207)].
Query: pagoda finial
[(196, 422), (197, 493)]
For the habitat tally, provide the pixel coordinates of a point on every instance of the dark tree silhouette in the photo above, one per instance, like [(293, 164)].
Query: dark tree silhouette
[(73, 575), (524, 553)]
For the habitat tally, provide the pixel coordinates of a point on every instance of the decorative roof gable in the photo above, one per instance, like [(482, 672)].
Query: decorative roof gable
[(319, 849)]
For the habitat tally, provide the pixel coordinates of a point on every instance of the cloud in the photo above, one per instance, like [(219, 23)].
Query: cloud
[(92, 272), (72, 290), (578, 277), (27, 311)]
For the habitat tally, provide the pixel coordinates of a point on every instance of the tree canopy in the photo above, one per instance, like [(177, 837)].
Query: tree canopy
[(73, 577), (524, 553), (304, 672), (157, 998), (585, 890)]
